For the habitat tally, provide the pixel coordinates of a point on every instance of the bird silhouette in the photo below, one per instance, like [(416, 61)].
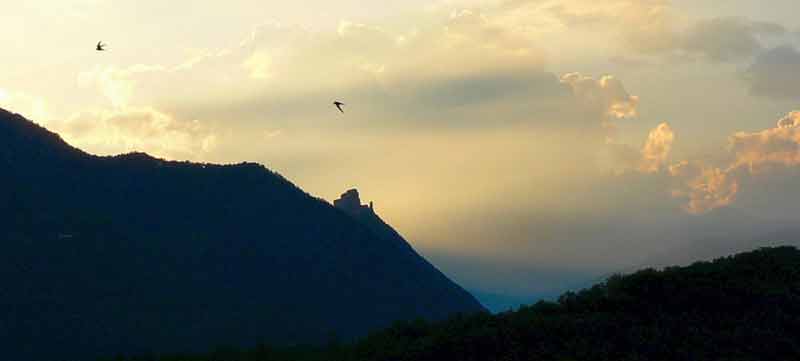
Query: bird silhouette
[(101, 46), (339, 106)]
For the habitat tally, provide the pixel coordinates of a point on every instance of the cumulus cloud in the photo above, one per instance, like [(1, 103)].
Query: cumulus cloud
[(656, 150), (775, 74), (778, 146), (137, 129), (752, 155), (133, 121), (704, 187), (606, 95), (120, 129), (651, 158)]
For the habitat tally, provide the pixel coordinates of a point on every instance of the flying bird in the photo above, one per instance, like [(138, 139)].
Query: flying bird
[(339, 106), (101, 46)]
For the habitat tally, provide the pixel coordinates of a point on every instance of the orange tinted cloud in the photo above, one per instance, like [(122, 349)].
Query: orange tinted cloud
[(757, 153), (705, 188), (778, 146), (606, 95), (657, 148)]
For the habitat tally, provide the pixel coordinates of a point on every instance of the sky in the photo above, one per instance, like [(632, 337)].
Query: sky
[(526, 147)]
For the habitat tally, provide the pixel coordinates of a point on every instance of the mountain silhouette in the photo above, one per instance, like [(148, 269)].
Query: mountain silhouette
[(131, 254), (742, 307)]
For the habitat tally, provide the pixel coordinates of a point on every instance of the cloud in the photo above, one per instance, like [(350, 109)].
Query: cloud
[(132, 120), (465, 27), (457, 71), (778, 146), (705, 188), (754, 154), (722, 39), (465, 70), (110, 131), (775, 74), (658, 27), (468, 69), (23, 103), (259, 65), (651, 158), (436, 96), (728, 39), (606, 95), (126, 130), (449, 69), (656, 150), (648, 26)]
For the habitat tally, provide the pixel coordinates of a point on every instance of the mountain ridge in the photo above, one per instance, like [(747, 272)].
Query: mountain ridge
[(740, 307), (117, 254)]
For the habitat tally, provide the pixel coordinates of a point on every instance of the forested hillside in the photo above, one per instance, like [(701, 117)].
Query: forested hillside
[(744, 307)]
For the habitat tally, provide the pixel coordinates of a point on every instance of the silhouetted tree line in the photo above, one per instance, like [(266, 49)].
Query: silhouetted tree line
[(744, 307)]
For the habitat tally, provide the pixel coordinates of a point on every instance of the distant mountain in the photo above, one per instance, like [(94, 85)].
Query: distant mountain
[(743, 307), (759, 235), (129, 254), (498, 302)]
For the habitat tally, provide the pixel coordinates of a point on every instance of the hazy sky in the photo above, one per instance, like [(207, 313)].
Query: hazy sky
[(524, 146)]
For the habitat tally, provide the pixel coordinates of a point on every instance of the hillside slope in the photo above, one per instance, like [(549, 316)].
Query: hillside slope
[(744, 307), (130, 253)]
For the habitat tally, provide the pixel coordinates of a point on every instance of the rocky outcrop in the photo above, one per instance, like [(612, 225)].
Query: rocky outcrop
[(350, 203)]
